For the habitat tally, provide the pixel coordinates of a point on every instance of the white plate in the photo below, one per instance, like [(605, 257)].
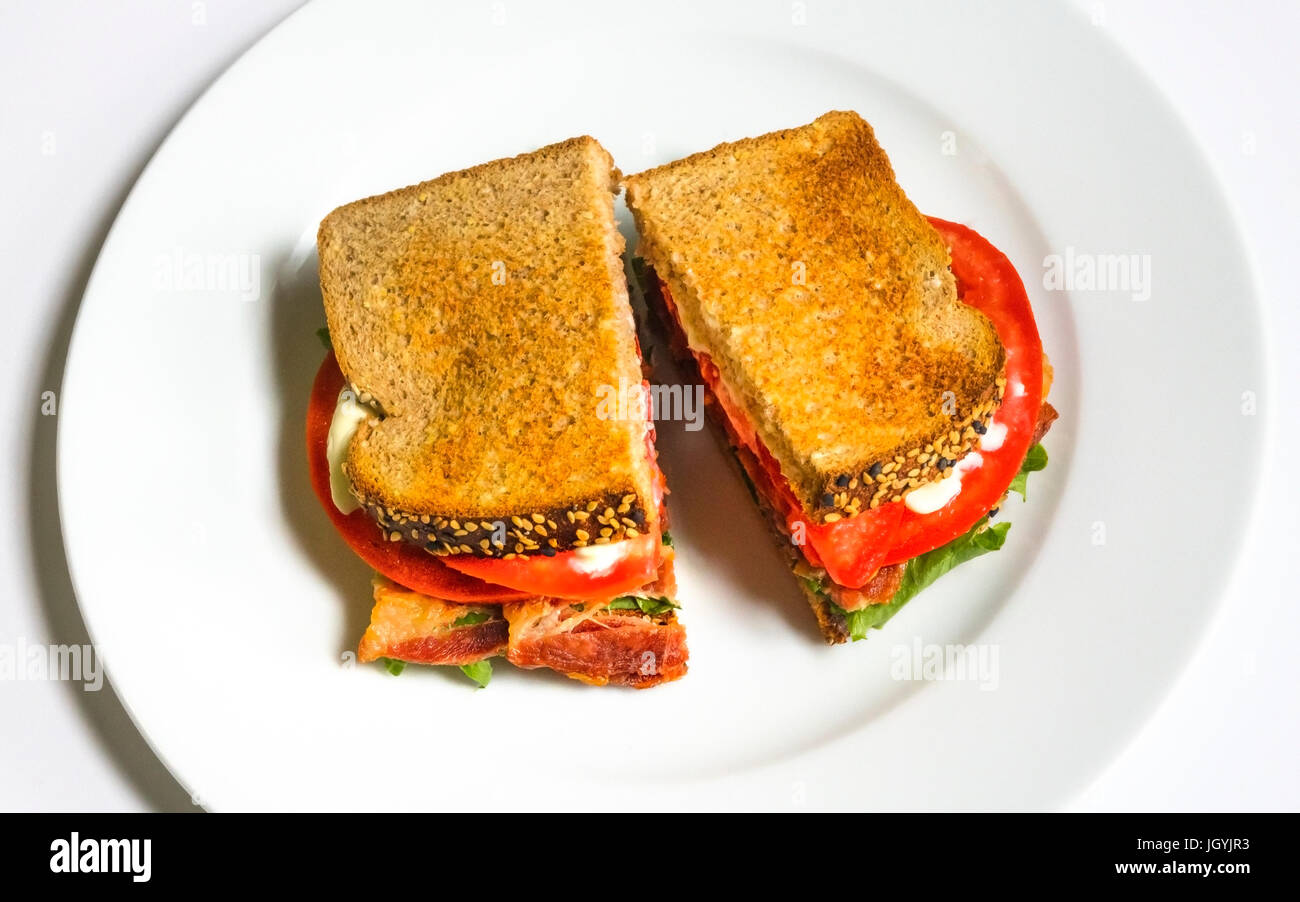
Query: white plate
[(225, 606)]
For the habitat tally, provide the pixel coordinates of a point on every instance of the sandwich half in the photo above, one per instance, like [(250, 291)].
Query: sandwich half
[(457, 436), (877, 374)]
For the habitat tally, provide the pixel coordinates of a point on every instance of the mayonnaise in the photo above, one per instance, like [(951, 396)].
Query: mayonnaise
[(993, 437), (598, 560), (349, 413), (929, 498)]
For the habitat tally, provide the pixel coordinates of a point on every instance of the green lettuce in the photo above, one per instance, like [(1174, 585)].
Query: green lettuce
[(471, 619), (323, 333), (1035, 460), (926, 568), (923, 570), (480, 672), (650, 606), (393, 666)]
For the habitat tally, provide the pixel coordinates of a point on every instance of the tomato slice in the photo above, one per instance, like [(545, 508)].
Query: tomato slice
[(600, 571), (401, 562), (988, 282)]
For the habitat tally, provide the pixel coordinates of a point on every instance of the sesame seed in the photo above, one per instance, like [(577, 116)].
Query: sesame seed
[(583, 534), (516, 521), (607, 532), (609, 513), (632, 532), (539, 529), (538, 518), (394, 536), (915, 471), (831, 518), (628, 499)]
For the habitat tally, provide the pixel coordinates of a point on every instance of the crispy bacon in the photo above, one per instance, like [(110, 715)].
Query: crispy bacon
[(587, 641), (583, 640), (1046, 416), (408, 626), (596, 646)]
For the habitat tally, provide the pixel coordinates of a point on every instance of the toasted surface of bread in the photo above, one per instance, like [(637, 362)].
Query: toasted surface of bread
[(485, 312), (824, 297)]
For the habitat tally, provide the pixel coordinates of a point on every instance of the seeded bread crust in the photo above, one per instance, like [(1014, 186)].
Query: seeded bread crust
[(483, 313), (825, 299)]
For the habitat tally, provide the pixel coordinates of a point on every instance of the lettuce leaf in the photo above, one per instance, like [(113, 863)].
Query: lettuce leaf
[(323, 333), (470, 619), (393, 666), (652, 607), (480, 672), (1035, 460), (925, 569)]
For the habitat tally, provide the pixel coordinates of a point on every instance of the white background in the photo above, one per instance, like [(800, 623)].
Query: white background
[(87, 91)]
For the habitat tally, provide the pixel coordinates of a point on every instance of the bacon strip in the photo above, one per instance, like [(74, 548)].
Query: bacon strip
[(408, 626), (587, 641), (583, 640)]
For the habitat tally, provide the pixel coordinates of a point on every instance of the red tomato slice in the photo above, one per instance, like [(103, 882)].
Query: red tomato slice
[(401, 562), (988, 282), (570, 574)]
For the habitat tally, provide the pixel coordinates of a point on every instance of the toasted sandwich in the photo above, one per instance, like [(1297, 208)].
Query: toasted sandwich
[(456, 436), (877, 374)]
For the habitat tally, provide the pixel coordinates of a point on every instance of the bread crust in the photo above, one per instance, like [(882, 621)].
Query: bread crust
[(483, 313), (825, 299)]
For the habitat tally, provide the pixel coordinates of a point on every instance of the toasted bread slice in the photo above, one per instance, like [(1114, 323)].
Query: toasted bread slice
[(824, 297), (485, 314)]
